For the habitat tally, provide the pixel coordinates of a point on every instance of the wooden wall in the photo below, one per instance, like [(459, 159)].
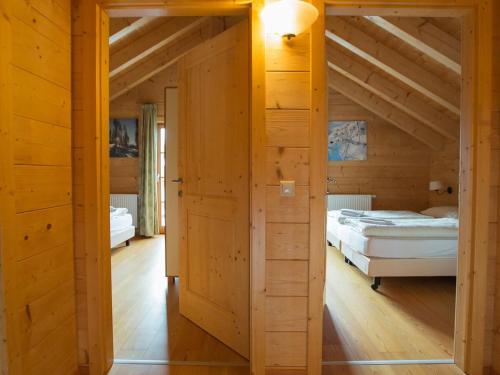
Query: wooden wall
[(288, 141), (91, 189), (397, 169), (124, 172), (444, 166), (494, 254), (35, 187)]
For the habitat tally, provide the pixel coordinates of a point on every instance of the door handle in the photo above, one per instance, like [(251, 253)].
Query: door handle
[(178, 180)]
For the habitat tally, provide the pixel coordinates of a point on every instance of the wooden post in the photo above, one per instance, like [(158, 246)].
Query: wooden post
[(91, 186)]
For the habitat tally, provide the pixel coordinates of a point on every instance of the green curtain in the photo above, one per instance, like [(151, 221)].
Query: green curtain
[(148, 208)]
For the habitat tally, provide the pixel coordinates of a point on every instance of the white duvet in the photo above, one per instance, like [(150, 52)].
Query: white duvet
[(430, 228), (119, 219), (382, 214)]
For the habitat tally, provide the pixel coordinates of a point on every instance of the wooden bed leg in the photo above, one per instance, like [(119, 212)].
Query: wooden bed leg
[(376, 283), (127, 243)]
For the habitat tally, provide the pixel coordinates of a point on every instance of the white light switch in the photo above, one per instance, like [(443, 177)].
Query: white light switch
[(287, 188)]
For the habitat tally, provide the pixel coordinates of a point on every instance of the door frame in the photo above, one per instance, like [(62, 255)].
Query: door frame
[(159, 126), (475, 148), (474, 180)]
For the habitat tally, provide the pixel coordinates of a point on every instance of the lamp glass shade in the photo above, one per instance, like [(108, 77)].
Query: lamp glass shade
[(288, 17), (436, 185)]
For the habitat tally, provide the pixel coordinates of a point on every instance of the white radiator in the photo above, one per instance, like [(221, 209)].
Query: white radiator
[(353, 202), (129, 201)]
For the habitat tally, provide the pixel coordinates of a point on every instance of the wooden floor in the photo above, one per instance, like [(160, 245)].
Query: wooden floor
[(335, 370), (408, 318), (147, 324)]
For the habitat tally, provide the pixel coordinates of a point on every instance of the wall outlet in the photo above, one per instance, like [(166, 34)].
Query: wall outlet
[(287, 188)]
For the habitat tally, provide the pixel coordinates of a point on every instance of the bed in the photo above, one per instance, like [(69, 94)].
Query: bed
[(121, 228), (396, 243)]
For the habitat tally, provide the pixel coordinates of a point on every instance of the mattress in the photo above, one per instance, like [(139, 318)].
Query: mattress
[(398, 247), (416, 228), (119, 222), (119, 236), (383, 214), (333, 226)]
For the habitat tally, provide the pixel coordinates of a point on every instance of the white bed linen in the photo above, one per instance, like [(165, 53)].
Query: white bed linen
[(333, 226), (426, 228), (398, 247), (119, 236), (120, 222), (117, 211), (383, 214)]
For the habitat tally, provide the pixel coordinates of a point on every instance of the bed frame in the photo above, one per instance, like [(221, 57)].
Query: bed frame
[(124, 235), (398, 267)]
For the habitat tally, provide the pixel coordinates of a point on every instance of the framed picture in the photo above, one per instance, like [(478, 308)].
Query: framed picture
[(347, 140), (123, 138)]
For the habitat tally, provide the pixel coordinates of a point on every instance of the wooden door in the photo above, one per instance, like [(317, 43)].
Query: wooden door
[(214, 204), (171, 184)]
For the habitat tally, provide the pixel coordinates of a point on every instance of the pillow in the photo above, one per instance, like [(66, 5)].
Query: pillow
[(442, 212)]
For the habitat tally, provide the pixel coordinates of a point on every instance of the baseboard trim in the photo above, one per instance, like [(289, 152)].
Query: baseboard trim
[(390, 362), (124, 361)]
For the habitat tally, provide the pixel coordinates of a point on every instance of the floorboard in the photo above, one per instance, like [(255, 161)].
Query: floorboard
[(176, 370), (392, 370), (146, 320), (408, 318)]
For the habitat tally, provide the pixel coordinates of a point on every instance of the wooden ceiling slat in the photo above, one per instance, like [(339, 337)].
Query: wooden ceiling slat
[(425, 37), (127, 29), (393, 63), (384, 110), (400, 96), (160, 60), (147, 44)]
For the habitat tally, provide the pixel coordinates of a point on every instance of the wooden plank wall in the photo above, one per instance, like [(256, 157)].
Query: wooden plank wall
[(90, 186), (444, 166), (397, 169), (124, 172), (36, 197), (287, 228), (494, 253)]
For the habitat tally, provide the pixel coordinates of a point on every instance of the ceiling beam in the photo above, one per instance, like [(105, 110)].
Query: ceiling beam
[(397, 94), (425, 37), (356, 9), (393, 63), (157, 62), (384, 110), (126, 31), (162, 8), (150, 42)]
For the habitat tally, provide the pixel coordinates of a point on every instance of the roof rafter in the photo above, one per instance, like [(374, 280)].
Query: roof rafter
[(400, 96), (149, 43), (393, 63), (124, 32), (384, 110), (424, 36), (161, 59)]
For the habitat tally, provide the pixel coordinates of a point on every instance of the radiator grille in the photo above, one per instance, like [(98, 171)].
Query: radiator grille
[(128, 201), (353, 202)]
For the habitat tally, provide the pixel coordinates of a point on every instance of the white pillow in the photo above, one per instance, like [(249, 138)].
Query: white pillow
[(441, 212)]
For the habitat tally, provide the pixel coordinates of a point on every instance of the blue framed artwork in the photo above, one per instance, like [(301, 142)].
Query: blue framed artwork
[(123, 138), (347, 140)]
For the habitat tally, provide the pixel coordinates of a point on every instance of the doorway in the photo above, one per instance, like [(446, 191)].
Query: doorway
[(380, 69), (202, 317)]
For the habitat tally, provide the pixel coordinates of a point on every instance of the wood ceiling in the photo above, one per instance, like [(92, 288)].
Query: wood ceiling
[(405, 70), (141, 48)]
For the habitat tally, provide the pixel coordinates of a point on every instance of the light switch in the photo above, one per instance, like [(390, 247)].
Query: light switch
[(287, 188)]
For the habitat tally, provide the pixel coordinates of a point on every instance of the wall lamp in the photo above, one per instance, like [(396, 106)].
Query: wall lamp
[(288, 18), (438, 187)]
